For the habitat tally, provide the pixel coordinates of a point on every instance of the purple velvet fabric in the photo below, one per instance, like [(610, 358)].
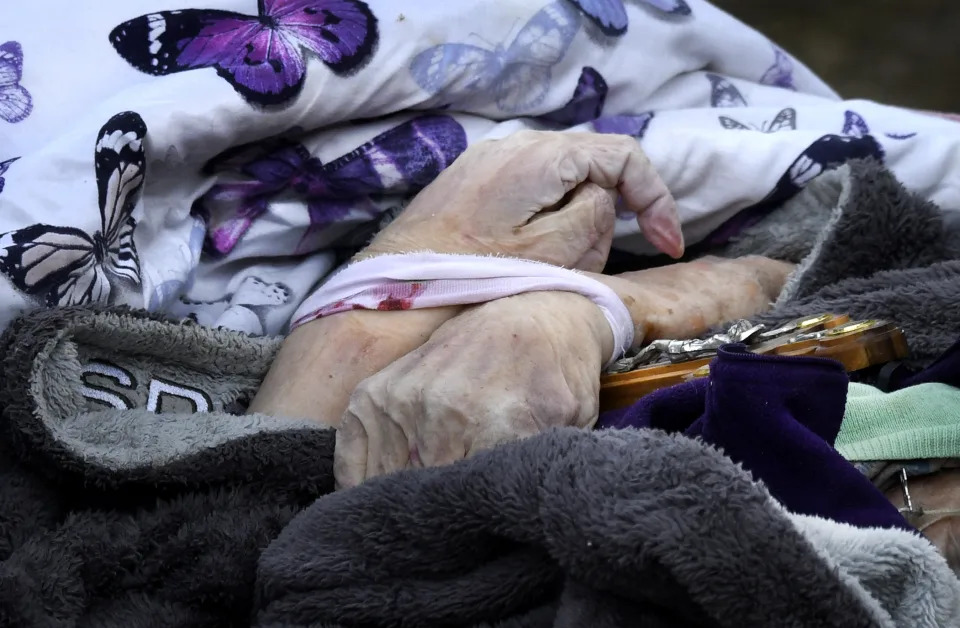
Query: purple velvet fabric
[(778, 417), (946, 370)]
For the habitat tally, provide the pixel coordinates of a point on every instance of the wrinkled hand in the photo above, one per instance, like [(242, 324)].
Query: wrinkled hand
[(511, 368), (540, 195), (500, 371)]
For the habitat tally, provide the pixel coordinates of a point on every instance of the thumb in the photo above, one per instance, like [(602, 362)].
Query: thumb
[(350, 452), (578, 234)]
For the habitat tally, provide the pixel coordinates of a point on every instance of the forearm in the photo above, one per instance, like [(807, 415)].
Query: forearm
[(686, 300), (320, 363)]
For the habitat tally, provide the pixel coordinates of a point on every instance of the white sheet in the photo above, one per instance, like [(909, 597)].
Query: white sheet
[(728, 118)]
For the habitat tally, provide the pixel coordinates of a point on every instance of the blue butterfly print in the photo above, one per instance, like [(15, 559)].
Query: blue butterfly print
[(633, 125), (610, 16), (4, 166), (855, 125), (785, 120), (585, 105), (516, 77), (780, 74), (827, 153), (723, 93), (16, 103)]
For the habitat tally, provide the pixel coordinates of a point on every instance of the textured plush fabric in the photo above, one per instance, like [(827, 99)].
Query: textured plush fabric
[(126, 517), (869, 248), (917, 422), (615, 528)]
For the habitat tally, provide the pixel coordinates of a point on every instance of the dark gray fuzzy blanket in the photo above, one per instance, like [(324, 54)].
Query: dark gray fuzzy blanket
[(868, 247), (130, 518), (603, 529), (132, 493)]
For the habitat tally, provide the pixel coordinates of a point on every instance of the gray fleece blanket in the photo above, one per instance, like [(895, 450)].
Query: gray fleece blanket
[(130, 495), (867, 247), (133, 493), (605, 529)]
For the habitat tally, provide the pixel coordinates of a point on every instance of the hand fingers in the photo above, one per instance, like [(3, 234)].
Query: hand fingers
[(595, 259), (369, 442), (350, 453), (440, 434), (616, 161), (492, 436), (585, 224)]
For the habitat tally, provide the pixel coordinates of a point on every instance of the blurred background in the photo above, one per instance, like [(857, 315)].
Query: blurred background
[(892, 51)]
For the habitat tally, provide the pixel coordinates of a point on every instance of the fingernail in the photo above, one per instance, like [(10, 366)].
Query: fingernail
[(665, 234)]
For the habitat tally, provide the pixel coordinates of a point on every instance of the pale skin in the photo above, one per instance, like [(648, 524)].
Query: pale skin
[(419, 387), (516, 366), (501, 196)]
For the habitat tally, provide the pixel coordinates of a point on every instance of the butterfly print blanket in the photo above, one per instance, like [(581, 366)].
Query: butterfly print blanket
[(203, 150)]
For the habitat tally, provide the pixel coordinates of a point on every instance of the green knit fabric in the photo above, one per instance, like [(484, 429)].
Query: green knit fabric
[(918, 422)]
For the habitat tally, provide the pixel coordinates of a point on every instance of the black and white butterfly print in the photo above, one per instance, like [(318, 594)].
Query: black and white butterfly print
[(785, 120), (723, 93), (68, 266)]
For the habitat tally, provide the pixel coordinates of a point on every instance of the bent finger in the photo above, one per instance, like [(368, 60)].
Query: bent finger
[(581, 229), (616, 161), (350, 453)]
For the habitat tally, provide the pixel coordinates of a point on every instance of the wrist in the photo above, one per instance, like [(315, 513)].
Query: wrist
[(579, 318), (629, 294), (321, 362)]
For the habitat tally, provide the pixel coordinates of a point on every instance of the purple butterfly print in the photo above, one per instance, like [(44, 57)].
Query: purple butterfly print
[(672, 7), (855, 125), (281, 167), (585, 105), (4, 166), (780, 74), (723, 93), (635, 126), (610, 16), (261, 56), (515, 75), (401, 160), (900, 136), (15, 101)]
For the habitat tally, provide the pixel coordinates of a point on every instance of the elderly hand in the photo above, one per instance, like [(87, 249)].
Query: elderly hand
[(540, 195), (511, 368), (500, 371)]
